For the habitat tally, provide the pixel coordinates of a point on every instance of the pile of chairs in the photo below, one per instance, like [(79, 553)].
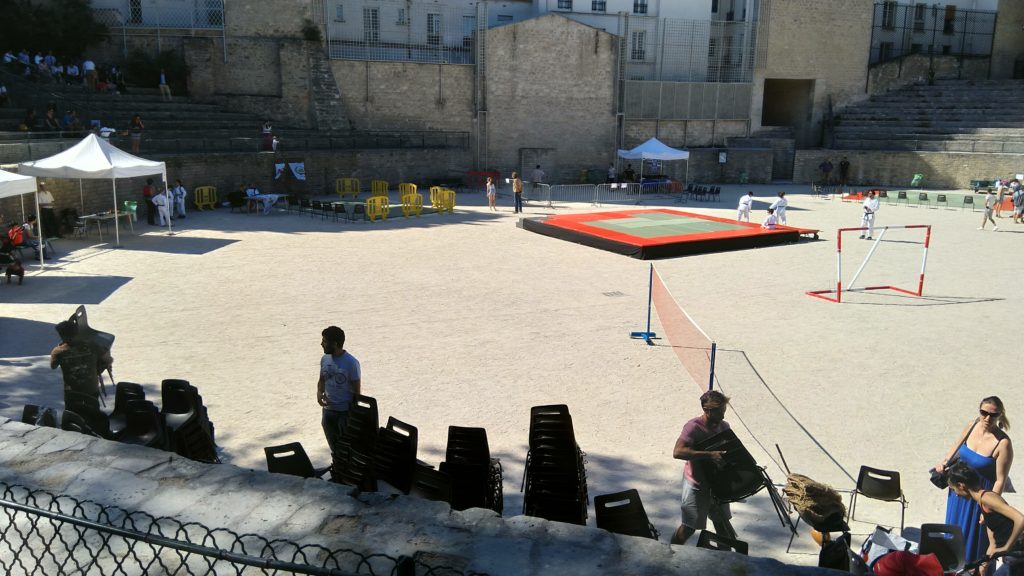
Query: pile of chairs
[(468, 478), (623, 513), (704, 193), (555, 480), (181, 426)]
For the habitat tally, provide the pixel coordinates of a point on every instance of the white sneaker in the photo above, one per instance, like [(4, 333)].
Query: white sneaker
[(994, 228), (981, 227)]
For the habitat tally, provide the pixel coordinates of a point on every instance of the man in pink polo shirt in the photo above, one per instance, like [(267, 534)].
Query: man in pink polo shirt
[(697, 503)]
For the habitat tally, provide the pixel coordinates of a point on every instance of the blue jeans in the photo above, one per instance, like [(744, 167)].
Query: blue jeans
[(333, 424), (519, 202)]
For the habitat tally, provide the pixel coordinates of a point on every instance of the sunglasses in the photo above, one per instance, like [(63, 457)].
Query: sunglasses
[(985, 414)]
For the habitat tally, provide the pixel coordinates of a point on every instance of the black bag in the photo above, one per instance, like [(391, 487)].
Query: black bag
[(941, 479), (836, 554)]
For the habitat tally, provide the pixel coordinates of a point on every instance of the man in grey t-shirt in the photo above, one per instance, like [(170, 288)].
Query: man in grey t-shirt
[(339, 383)]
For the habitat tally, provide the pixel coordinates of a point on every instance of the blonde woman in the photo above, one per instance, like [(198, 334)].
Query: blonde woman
[(984, 447), (489, 187)]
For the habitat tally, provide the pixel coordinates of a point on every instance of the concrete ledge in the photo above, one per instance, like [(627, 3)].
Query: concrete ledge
[(316, 512)]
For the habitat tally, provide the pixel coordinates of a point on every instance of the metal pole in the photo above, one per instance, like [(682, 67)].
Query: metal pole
[(117, 229), (711, 376)]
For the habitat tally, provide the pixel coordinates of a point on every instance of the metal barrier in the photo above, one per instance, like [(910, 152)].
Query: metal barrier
[(43, 533), (598, 194)]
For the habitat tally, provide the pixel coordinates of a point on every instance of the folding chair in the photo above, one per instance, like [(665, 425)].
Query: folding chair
[(946, 541), (623, 513), (712, 541), (881, 485), (967, 200)]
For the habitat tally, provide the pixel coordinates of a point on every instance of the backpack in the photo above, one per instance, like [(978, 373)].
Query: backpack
[(16, 235)]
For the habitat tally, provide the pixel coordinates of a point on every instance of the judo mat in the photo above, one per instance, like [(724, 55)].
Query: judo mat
[(661, 233)]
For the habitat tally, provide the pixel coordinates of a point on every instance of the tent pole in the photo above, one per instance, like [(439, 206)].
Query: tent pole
[(170, 206), (117, 229), (42, 237), (81, 196)]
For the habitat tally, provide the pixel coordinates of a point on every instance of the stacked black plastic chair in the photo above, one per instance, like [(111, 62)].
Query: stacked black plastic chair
[(143, 425), (555, 480), (354, 463), (189, 430), (395, 454), (88, 408), (431, 484), (623, 513), (476, 477), (123, 392), (291, 459), (712, 541)]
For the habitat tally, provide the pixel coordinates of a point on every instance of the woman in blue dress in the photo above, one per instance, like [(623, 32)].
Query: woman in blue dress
[(984, 446)]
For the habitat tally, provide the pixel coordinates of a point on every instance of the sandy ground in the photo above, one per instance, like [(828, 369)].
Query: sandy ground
[(468, 320)]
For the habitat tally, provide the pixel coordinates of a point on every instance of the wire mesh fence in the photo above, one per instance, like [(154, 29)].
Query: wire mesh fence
[(898, 30), (203, 14), (45, 534)]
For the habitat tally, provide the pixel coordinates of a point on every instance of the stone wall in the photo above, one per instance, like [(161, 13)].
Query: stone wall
[(406, 95), (316, 512), (827, 41), (913, 69), (550, 84), (1008, 44), (228, 171), (942, 170)]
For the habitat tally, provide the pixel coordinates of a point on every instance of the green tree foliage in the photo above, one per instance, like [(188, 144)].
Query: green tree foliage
[(66, 27)]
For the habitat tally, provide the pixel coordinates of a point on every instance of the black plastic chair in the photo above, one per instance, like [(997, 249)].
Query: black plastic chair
[(946, 541), (941, 199), (358, 209), (123, 392), (144, 426), (968, 200), (291, 459), (476, 477), (554, 480), (40, 416), (395, 456), (902, 195), (339, 211), (306, 205), (431, 484), (623, 513), (72, 422), (879, 485), (293, 204), (88, 408), (712, 541), (922, 198)]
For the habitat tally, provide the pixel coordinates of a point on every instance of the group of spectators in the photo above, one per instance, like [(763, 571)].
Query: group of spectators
[(48, 68)]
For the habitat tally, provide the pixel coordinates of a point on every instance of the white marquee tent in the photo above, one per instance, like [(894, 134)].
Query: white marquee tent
[(12, 184), (94, 158), (655, 149)]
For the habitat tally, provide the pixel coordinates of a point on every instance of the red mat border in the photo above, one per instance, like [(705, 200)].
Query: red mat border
[(578, 223)]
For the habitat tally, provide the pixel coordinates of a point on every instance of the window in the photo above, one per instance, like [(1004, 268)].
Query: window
[(434, 29), (885, 51), (401, 21), (638, 40), (918, 25), (888, 14), (504, 18), (598, 6), (639, 6), (339, 13), (371, 25), (714, 6), (468, 31), (947, 49), (916, 48), (949, 20), (565, 4), (919, 9)]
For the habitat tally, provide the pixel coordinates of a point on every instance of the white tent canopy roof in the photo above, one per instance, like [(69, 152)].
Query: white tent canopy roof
[(654, 149), (92, 158), (12, 184)]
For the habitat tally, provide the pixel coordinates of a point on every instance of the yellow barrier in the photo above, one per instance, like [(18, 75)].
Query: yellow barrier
[(412, 204), (406, 188), (205, 196), (378, 187), (377, 206), (446, 201), (347, 187)]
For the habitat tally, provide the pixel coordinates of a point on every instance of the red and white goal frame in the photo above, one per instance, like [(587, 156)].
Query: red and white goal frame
[(839, 289)]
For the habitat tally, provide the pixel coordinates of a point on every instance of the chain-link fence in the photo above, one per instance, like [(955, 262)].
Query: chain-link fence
[(45, 534), (898, 30), (678, 50), (400, 31), (190, 14)]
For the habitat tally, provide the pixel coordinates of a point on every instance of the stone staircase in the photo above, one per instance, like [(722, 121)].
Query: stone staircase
[(327, 103), (949, 116)]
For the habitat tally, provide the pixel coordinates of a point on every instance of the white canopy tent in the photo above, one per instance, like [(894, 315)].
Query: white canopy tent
[(655, 149), (94, 158), (11, 185)]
